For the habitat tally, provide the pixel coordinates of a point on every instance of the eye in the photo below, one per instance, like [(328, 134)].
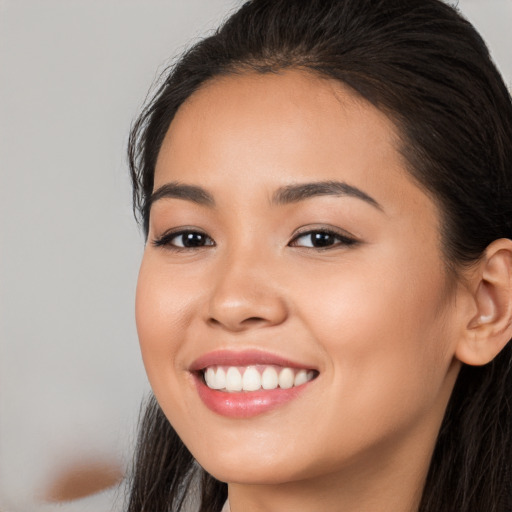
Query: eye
[(184, 239), (322, 239)]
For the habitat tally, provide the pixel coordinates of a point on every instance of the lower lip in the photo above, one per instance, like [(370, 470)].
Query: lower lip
[(245, 404)]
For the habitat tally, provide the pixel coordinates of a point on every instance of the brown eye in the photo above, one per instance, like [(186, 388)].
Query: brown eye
[(321, 239), (184, 240), (191, 240)]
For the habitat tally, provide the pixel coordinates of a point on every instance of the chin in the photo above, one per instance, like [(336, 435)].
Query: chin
[(254, 465), (253, 472)]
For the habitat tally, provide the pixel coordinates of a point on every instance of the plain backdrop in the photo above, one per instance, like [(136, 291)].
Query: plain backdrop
[(73, 75)]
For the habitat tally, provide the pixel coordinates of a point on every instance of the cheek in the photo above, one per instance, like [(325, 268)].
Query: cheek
[(162, 312), (383, 332)]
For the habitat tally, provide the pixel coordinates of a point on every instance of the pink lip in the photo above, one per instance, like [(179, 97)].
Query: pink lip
[(243, 358), (244, 404)]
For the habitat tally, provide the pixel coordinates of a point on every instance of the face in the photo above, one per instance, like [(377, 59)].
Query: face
[(293, 263)]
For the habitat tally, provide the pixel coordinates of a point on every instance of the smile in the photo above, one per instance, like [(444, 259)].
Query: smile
[(255, 377), (243, 384)]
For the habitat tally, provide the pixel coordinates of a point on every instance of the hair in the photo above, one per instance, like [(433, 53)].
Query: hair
[(430, 72)]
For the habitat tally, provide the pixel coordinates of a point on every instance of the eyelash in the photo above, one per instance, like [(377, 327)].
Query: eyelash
[(341, 239), (166, 239)]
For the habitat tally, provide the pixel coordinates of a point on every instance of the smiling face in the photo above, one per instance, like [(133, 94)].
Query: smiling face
[(284, 233)]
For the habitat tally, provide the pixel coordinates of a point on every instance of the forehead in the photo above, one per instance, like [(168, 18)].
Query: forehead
[(240, 133)]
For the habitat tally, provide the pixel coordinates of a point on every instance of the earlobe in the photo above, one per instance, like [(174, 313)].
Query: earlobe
[(490, 329)]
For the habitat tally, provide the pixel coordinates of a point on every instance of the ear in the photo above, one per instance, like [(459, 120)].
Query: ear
[(490, 329)]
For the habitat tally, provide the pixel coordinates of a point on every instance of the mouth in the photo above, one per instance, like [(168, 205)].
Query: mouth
[(253, 378), (249, 383)]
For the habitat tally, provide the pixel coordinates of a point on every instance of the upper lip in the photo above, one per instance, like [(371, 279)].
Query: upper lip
[(244, 358)]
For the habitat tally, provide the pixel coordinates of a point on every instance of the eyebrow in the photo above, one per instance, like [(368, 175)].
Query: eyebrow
[(180, 191), (300, 192), (283, 195)]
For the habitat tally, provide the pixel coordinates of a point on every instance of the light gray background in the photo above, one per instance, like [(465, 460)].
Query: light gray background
[(73, 75)]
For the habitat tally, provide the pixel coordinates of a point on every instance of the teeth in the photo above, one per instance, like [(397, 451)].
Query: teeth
[(300, 378), (220, 379), (233, 379), (253, 378), (209, 377), (269, 378), (286, 378)]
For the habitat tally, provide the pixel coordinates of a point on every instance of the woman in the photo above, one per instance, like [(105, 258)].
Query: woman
[(325, 300)]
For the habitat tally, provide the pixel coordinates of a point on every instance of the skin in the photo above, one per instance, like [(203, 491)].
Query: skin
[(379, 319)]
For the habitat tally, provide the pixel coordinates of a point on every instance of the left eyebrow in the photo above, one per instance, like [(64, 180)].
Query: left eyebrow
[(296, 193)]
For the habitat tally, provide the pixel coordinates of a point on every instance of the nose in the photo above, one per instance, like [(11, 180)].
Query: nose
[(246, 295)]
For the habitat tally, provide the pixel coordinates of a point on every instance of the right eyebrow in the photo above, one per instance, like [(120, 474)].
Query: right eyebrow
[(177, 190)]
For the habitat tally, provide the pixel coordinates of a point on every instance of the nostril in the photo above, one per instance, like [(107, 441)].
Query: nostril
[(247, 322), (253, 322), (253, 319)]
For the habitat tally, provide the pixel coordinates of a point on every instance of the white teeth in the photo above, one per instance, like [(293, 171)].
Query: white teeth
[(269, 379), (233, 379), (215, 379), (220, 379), (252, 378), (286, 378), (300, 378), (209, 377)]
